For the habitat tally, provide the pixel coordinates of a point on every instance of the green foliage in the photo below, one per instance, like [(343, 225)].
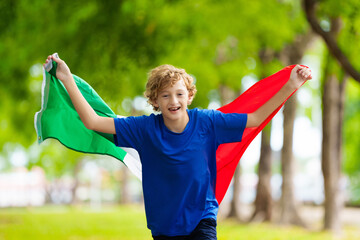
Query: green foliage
[(347, 12), (224, 45), (352, 128), (352, 139), (354, 188), (348, 40), (54, 157), (113, 44)]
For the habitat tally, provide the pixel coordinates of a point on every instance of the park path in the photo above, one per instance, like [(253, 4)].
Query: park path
[(312, 215), (349, 216)]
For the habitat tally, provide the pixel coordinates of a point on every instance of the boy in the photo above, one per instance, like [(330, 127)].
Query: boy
[(177, 147)]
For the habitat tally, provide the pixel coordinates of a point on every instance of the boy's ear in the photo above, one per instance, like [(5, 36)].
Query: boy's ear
[(154, 103), (191, 98)]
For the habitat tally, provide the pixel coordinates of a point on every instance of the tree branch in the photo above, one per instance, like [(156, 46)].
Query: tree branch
[(309, 7)]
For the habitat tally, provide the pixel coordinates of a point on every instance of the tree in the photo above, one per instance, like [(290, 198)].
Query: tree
[(227, 95), (124, 48), (351, 163), (338, 38), (333, 106), (263, 201), (329, 38), (235, 201), (292, 54)]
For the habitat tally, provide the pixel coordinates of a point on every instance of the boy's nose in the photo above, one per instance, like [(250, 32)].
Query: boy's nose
[(173, 99)]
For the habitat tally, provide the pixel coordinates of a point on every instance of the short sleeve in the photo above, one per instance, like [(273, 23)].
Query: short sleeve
[(129, 131), (229, 127)]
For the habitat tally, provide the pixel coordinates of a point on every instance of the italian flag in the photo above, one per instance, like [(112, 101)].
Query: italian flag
[(59, 120)]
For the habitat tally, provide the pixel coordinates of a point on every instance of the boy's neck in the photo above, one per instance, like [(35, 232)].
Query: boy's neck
[(177, 126)]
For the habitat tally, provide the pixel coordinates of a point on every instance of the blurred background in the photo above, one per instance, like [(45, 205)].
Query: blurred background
[(303, 170)]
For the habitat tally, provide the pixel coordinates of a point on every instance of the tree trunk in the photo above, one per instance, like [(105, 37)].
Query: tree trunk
[(292, 54), (77, 169), (227, 95), (289, 213), (333, 106), (263, 201), (287, 163), (125, 195), (235, 201)]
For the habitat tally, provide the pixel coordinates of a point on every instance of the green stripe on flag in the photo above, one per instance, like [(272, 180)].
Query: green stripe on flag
[(58, 118)]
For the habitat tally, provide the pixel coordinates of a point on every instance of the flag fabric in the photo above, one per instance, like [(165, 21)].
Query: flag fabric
[(58, 119), (228, 155)]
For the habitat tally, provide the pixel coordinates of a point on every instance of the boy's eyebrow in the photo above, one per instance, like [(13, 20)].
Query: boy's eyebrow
[(167, 92), (176, 90), (180, 90), (163, 91)]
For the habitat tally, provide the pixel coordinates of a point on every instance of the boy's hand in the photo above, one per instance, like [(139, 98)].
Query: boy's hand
[(62, 71), (299, 75)]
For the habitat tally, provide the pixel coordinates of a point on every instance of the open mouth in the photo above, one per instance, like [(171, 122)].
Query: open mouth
[(174, 109)]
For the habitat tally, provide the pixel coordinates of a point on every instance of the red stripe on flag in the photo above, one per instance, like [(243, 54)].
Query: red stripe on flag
[(228, 155)]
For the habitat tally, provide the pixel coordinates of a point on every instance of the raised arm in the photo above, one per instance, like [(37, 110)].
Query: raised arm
[(87, 114), (298, 75)]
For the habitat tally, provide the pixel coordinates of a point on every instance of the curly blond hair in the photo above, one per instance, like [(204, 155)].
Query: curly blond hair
[(164, 76)]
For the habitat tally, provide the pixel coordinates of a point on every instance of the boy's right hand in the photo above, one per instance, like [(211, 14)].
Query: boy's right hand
[(62, 71)]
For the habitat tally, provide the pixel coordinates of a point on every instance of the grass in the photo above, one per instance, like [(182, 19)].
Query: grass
[(128, 223)]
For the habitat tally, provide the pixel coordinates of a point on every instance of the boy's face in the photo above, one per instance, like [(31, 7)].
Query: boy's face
[(173, 100)]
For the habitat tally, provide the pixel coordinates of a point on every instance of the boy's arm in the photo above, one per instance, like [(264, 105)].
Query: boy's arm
[(87, 114), (298, 75)]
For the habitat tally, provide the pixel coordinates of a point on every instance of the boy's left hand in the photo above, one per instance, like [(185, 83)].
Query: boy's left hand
[(299, 75)]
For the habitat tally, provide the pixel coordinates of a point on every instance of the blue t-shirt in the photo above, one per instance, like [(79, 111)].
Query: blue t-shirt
[(179, 169)]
